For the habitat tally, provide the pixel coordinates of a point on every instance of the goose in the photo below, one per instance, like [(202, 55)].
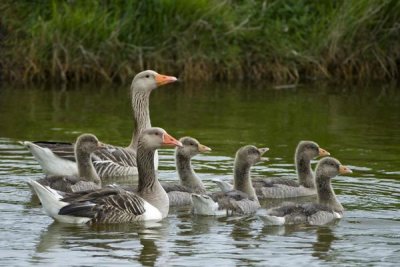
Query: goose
[(327, 208), (180, 194), (57, 158), (87, 179), (284, 187), (116, 205), (242, 199)]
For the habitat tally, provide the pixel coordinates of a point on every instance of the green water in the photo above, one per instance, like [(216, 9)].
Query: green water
[(359, 125)]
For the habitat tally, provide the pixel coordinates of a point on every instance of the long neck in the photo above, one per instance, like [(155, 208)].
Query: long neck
[(326, 195), (186, 174), (241, 179), (86, 169), (304, 172), (149, 188), (145, 166), (141, 115)]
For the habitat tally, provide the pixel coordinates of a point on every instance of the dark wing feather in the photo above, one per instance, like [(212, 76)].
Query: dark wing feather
[(120, 155), (168, 187), (90, 195), (235, 201), (60, 183), (233, 194), (290, 208), (270, 182), (80, 209), (106, 206)]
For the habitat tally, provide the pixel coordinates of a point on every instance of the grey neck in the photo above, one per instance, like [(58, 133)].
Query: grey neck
[(186, 174), (304, 172), (326, 195), (241, 179), (141, 115), (149, 188), (86, 169)]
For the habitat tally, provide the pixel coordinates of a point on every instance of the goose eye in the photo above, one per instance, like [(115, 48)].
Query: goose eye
[(156, 133), (147, 76)]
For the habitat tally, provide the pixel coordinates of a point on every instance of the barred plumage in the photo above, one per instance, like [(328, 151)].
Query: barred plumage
[(114, 204), (328, 207), (57, 158)]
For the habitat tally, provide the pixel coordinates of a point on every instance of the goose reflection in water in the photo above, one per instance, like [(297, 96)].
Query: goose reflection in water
[(323, 246), (137, 242)]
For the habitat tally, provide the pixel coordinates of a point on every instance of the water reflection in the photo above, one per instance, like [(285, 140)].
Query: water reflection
[(57, 234), (136, 241), (359, 126), (323, 246)]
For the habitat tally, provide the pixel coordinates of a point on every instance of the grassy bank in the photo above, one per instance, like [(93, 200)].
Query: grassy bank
[(282, 41)]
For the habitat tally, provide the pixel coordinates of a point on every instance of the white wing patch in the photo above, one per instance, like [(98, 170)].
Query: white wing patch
[(151, 213)]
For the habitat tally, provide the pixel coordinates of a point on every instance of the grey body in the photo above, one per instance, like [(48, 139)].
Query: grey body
[(180, 194), (282, 187), (113, 161), (325, 210), (288, 188), (116, 205), (87, 179), (242, 199)]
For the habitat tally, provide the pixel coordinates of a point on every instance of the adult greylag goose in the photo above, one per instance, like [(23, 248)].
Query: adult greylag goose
[(180, 194), (242, 199), (116, 205), (286, 187), (87, 179), (328, 207), (57, 158)]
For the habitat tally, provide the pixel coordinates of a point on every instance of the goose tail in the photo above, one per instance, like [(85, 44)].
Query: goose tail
[(50, 162), (50, 199)]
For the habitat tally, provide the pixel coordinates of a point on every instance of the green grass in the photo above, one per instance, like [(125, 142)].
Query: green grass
[(281, 41)]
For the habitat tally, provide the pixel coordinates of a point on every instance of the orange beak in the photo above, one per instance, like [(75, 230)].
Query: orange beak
[(169, 140), (344, 170), (323, 152), (164, 79), (203, 148)]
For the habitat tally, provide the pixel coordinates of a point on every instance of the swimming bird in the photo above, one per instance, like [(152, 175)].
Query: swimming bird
[(189, 182), (242, 199), (116, 205), (180, 194), (87, 179), (282, 187), (327, 208), (57, 158)]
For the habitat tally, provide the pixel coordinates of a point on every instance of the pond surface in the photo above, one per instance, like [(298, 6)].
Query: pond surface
[(359, 125)]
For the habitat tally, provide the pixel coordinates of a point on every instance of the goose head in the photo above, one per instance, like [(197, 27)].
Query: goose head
[(88, 143), (154, 138), (148, 80), (310, 150), (251, 154), (191, 147), (330, 167)]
